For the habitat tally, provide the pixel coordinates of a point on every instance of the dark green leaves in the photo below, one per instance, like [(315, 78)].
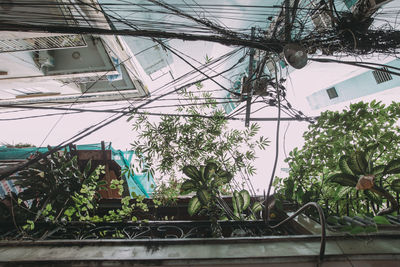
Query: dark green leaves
[(188, 186), (378, 169), (343, 165), (206, 182), (240, 201), (393, 167), (223, 177), (192, 172), (357, 163), (367, 134), (396, 185), (204, 196), (194, 206), (343, 179), (210, 171)]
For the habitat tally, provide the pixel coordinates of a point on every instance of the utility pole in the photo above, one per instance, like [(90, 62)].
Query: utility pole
[(249, 82)]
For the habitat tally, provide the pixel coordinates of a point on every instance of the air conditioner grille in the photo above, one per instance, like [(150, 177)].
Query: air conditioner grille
[(41, 43), (382, 76), (332, 93)]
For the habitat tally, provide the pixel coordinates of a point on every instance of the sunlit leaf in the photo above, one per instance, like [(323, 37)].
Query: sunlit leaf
[(381, 220), (194, 206), (237, 201)]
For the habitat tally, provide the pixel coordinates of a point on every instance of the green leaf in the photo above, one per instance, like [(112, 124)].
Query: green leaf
[(381, 220), (378, 169), (210, 170), (343, 179), (31, 224), (257, 207), (187, 187), (344, 167), (289, 187), (371, 229), (88, 167), (369, 152), (194, 206), (356, 230), (375, 198), (223, 177), (223, 218), (192, 172), (203, 196), (357, 163), (396, 185), (393, 167), (246, 199), (237, 202)]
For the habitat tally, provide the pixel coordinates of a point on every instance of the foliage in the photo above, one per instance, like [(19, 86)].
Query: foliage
[(168, 145), (206, 182), (57, 191), (358, 128), (358, 171), (52, 183)]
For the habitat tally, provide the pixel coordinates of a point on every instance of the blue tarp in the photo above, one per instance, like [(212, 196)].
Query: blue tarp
[(138, 183)]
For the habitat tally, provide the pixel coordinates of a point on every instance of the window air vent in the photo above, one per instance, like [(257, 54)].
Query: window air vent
[(382, 76), (332, 93), (42, 43)]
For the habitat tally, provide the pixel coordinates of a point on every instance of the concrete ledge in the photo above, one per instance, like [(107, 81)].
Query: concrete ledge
[(232, 251)]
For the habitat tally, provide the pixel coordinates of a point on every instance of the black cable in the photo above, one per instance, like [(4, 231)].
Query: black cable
[(358, 64), (322, 222), (121, 111), (277, 143)]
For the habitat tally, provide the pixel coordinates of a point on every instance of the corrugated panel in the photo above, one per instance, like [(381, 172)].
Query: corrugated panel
[(42, 43)]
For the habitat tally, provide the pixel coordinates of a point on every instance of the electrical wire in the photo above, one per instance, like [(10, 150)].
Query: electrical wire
[(125, 111), (322, 222), (278, 123)]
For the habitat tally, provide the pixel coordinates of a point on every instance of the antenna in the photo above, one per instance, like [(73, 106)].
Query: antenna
[(295, 55)]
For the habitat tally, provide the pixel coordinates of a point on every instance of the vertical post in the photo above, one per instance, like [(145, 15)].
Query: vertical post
[(287, 21), (249, 81), (107, 170)]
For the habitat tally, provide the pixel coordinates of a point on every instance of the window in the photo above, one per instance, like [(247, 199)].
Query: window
[(382, 76), (332, 93)]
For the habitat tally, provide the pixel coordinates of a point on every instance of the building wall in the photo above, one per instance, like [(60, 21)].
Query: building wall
[(353, 88)]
